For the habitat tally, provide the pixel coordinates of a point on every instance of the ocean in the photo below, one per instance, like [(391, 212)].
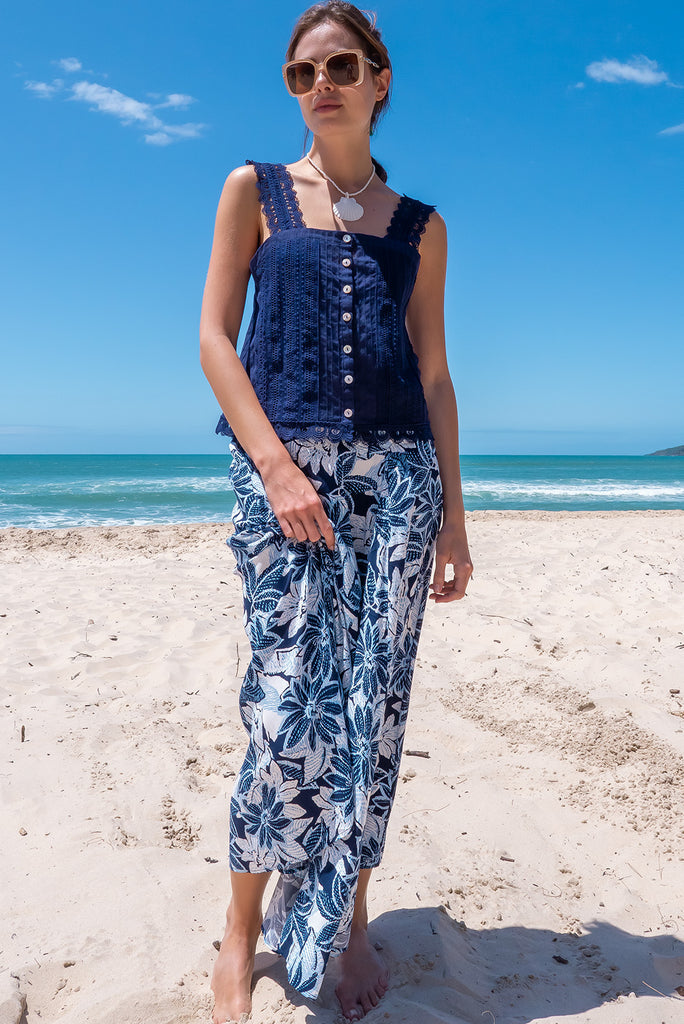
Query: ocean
[(50, 491)]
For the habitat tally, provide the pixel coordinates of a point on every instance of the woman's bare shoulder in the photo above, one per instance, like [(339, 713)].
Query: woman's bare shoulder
[(238, 214), (239, 200), (242, 181), (435, 235)]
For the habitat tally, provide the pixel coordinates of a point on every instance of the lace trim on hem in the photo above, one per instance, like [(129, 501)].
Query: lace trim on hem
[(422, 432), (315, 431)]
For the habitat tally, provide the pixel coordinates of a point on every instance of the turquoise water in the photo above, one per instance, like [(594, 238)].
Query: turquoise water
[(46, 491)]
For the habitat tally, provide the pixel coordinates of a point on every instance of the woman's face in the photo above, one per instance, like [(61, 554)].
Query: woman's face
[(331, 109)]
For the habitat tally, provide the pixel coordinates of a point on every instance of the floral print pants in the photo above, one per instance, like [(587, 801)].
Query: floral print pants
[(325, 697)]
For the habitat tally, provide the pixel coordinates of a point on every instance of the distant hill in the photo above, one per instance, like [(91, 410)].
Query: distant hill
[(679, 450)]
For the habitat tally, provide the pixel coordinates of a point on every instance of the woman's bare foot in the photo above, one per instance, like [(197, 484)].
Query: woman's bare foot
[(231, 981), (363, 976)]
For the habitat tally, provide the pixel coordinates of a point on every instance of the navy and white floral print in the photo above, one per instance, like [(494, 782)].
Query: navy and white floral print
[(325, 697)]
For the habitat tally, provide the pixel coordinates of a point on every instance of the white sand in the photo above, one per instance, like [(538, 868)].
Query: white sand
[(547, 822)]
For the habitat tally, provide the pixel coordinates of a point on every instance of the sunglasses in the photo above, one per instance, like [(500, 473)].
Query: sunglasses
[(344, 67)]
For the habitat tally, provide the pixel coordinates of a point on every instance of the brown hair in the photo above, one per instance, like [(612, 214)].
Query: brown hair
[(356, 21)]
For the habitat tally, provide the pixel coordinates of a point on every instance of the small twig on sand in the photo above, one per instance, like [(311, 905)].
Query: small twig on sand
[(237, 653), (659, 992), (429, 810), (523, 622), (417, 753)]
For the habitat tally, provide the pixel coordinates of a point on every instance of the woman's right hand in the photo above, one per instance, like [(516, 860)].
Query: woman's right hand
[(296, 503)]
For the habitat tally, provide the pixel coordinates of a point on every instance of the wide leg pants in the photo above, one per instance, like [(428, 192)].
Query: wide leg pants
[(325, 697)]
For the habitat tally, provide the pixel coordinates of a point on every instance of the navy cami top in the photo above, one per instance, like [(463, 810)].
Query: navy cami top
[(327, 350)]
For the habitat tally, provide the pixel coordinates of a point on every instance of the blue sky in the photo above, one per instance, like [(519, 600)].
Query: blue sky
[(549, 134)]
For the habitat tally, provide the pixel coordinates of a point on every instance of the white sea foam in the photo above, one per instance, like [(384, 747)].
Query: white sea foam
[(118, 485), (525, 490), (574, 490), (64, 519)]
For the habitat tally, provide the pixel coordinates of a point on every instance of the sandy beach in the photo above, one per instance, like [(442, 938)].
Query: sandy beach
[(534, 870)]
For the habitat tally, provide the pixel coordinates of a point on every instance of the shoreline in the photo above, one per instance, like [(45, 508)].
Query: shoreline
[(473, 515)]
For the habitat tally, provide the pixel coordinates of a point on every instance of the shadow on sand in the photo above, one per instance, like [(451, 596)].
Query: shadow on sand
[(443, 972)]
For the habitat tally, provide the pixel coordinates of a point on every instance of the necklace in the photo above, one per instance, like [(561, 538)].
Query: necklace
[(346, 208)]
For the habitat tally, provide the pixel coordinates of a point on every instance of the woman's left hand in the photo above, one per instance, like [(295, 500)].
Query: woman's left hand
[(452, 549)]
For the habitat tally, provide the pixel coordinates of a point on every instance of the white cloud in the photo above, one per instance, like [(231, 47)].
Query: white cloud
[(640, 70), (128, 111), (159, 139), (111, 101), (177, 100), (131, 111), (676, 129), (45, 90), (185, 131), (70, 64), (171, 132)]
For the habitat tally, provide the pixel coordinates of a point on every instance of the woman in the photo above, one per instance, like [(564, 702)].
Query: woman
[(343, 429)]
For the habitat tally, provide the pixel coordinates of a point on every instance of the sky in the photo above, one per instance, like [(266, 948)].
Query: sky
[(549, 134)]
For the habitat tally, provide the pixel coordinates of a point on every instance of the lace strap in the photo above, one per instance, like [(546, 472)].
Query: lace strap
[(409, 220), (277, 196)]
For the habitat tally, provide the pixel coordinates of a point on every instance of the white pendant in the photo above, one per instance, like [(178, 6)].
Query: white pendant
[(347, 208)]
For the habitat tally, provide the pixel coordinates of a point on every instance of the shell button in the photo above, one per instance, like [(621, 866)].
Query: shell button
[(347, 349), (346, 262), (346, 317), (347, 289), (348, 413), (348, 379), (346, 238)]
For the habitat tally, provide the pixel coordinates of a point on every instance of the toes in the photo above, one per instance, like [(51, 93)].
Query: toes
[(350, 1012)]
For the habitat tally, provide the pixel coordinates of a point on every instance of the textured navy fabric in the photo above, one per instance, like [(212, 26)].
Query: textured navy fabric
[(327, 349)]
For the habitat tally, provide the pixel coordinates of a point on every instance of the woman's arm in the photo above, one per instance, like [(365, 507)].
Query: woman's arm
[(291, 494), (425, 325)]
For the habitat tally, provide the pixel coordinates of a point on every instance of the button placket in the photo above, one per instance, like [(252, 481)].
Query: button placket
[(347, 327)]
